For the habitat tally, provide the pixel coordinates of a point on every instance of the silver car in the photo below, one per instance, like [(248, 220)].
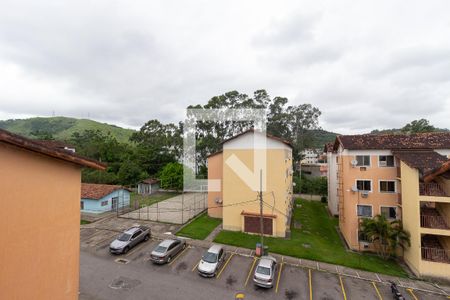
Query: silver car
[(130, 238), (211, 261), (265, 272), (167, 250)]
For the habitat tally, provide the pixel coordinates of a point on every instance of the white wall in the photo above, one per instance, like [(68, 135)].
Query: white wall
[(333, 199)]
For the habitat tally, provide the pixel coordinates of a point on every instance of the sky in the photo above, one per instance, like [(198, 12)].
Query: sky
[(364, 64)]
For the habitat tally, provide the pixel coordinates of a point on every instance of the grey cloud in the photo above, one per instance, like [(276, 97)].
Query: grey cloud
[(128, 63)]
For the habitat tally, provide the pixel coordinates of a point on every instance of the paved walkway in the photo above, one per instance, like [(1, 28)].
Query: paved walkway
[(213, 233)]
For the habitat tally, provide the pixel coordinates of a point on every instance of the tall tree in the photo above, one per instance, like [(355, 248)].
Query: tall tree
[(418, 126), (289, 122), (157, 144)]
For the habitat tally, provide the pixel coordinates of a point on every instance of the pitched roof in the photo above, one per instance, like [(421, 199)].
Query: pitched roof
[(328, 147), (150, 180), (98, 191), (443, 170), (429, 140), (424, 160), (54, 144), (38, 147), (253, 130)]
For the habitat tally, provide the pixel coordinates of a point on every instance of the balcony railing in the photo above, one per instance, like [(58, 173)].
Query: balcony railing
[(436, 255), (431, 189), (437, 222)]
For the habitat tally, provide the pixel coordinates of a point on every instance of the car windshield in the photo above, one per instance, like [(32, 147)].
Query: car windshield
[(210, 257), (124, 237), (263, 270), (160, 249)]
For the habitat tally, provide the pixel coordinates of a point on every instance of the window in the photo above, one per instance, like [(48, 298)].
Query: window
[(386, 161), (364, 185), (136, 234), (364, 211), (363, 160), (389, 212), (104, 203), (362, 237), (387, 186)]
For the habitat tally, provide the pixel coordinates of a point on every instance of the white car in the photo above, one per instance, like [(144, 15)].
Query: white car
[(265, 272), (211, 261)]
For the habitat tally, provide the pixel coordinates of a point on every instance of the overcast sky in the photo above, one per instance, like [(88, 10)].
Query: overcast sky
[(364, 64)]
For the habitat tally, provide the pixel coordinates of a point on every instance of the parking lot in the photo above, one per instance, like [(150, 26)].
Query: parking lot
[(292, 280)]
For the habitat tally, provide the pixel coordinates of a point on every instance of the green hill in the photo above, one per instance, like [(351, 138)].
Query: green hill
[(319, 137), (62, 127)]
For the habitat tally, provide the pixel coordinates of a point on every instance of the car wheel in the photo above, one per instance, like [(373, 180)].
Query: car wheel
[(147, 237), (126, 249), (169, 259), (184, 246)]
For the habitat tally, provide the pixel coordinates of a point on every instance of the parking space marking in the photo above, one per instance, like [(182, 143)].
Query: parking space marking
[(343, 289), (136, 248), (196, 265), (310, 284), (412, 293), (179, 255), (376, 289), (250, 271), (224, 266), (279, 274)]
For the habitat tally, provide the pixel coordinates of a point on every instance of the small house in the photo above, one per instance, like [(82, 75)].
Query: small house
[(148, 186), (98, 198)]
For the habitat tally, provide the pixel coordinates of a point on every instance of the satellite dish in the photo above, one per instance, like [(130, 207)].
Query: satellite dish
[(354, 162), (354, 188)]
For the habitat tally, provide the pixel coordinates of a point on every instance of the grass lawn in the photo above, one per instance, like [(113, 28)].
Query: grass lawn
[(82, 222), (319, 232), (200, 227), (150, 199)]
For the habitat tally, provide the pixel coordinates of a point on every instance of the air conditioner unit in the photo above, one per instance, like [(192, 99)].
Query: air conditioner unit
[(218, 200), (383, 163), (354, 162), (362, 168), (364, 194), (365, 245)]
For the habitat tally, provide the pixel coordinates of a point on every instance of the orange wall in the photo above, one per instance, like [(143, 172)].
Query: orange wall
[(215, 164), (40, 226), (349, 226)]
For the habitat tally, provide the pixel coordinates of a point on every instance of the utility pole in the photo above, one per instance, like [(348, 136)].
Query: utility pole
[(261, 219)]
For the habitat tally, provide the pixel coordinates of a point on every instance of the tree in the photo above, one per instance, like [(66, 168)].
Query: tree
[(171, 176), (386, 236), (292, 123), (417, 126), (157, 144)]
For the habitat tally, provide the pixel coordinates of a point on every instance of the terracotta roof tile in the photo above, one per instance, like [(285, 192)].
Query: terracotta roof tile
[(425, 161), (38, 147), (150, 180), (430, 140), (98, 191)]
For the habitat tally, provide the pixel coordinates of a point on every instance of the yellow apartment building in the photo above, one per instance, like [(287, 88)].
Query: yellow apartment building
[(403, 177), (40, 219), (237, 203)]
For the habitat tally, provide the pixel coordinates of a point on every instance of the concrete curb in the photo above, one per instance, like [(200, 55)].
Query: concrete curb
[(406, 283)]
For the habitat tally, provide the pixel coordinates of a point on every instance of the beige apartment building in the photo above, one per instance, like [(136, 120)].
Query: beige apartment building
[(40, 219), (404, 177), (236, 202)]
